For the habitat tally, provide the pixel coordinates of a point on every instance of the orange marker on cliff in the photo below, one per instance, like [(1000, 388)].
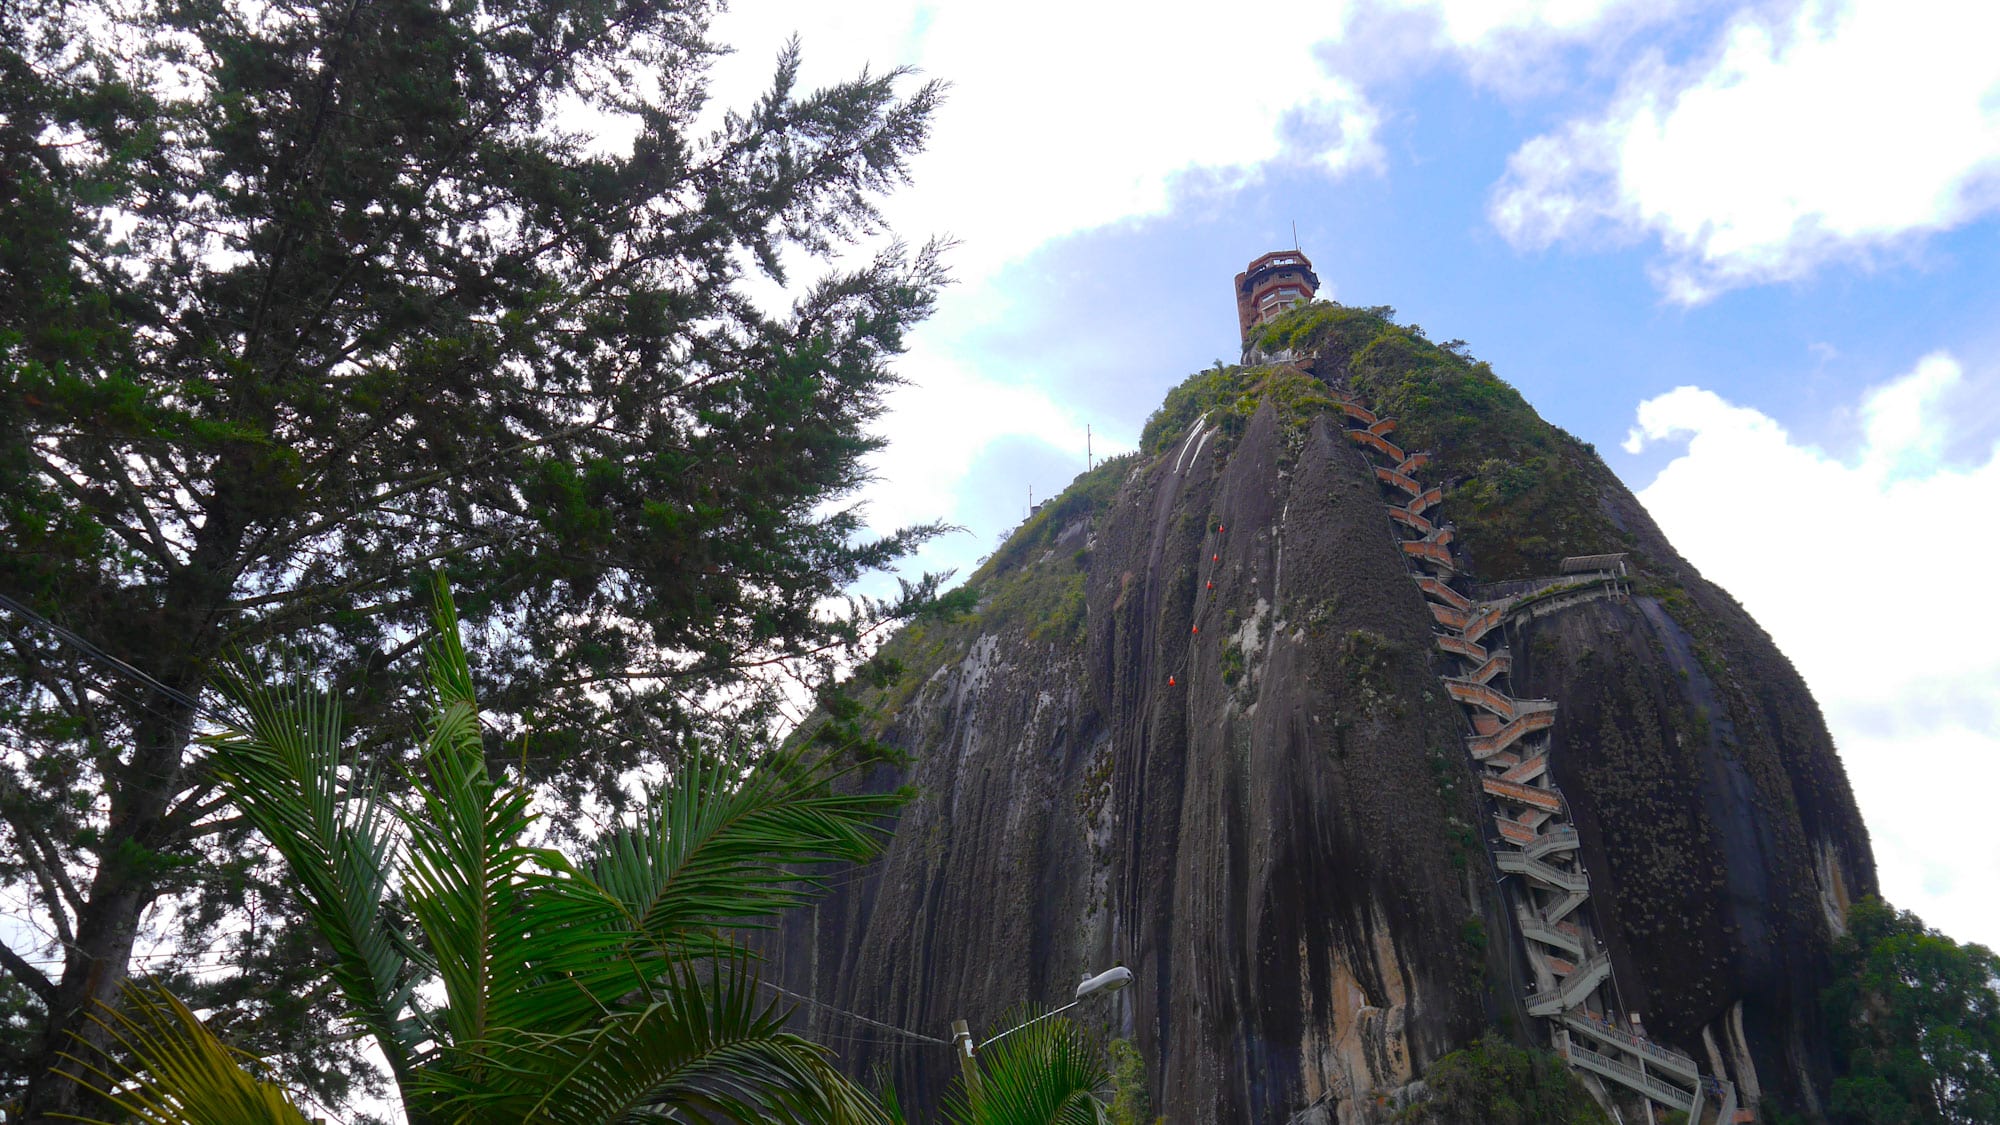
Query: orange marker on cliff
[(1170, 681)]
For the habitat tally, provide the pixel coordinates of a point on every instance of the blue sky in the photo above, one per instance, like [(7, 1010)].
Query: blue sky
[(1713, 239)]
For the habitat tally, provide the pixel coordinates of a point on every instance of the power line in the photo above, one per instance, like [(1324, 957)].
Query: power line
[(92, 652), (858, 1018)]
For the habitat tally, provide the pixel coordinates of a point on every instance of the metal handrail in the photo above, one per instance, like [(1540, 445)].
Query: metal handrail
[(1637, 1043), (1572, 989), (1515, 863), (1556, 839), (1665, 1093)]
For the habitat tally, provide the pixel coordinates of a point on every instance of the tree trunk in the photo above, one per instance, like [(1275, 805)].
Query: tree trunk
[(177, 645), (95, 965)]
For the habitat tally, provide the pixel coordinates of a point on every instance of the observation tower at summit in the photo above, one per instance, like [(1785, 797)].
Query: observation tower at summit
[(1270, 285)]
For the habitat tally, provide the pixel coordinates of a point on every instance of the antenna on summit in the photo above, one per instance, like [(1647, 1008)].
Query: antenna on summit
[(1295, 235)]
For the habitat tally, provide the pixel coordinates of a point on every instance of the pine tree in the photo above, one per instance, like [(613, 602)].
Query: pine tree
[(302, 299)]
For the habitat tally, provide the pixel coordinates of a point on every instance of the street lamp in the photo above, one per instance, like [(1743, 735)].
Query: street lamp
[(1108, 981)]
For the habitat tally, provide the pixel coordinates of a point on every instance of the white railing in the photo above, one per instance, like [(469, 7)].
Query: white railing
[(1514, 863), (1571, 990), (1628, 1075), (1541, 931), (1554, 840), (1664, 1056)]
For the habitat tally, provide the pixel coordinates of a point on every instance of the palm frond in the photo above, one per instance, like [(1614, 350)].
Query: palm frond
[(594, 994), (470, 870), (716, 847), (1049, 1073), (722, 847), (181, 1074), (284, 769), (706, 1048)]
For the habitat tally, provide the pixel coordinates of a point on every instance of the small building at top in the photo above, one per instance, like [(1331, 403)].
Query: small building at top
[(1270, 285)]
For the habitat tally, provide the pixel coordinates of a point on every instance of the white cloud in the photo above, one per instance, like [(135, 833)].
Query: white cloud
[(1837, 130), (1066, 116), (1478, 25), (1063, 117), (1868, 572), (941, 424)]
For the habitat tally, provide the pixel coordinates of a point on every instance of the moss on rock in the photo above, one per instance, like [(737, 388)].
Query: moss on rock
[(1520, 490)]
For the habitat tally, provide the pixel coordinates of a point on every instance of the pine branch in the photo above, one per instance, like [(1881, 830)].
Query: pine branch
[(36, 980)]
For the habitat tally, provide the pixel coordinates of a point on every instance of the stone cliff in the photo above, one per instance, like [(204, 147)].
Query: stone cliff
[(1201, 725)]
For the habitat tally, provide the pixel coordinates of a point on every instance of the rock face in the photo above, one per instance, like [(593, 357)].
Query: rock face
[(1196, 728)]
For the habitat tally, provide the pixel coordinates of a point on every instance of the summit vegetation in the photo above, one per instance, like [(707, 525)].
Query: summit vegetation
[(1522, 493)]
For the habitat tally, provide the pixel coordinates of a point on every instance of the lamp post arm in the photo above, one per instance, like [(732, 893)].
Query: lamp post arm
[(1036, 1020)]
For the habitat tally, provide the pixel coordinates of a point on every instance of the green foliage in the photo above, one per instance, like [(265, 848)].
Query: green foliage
[(1916, 1023), (1197, 394), (1306, 326), (1046, 601), (1521, 495), (504, 981), (1233, 665), (1047, 1073), (183, 1074), (1229, 396), (1494, 1082), (357, 303), (1130, 1103), (1026, 585), (1090, 493)]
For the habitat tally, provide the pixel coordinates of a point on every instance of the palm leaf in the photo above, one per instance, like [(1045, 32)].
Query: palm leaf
[(181, 1074), (470, 872), (283, 768), (720, 847), (1048, 1073), (716, 847), (569, 994), (704, 1049)]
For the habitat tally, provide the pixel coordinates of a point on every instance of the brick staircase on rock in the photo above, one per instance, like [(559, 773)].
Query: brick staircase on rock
[(1531, 840)]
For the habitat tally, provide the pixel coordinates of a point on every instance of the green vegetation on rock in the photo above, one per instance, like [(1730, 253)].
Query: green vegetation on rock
[(1494, 1082), (1130, 1104), (1229, 396), (1027, 584), (1088, 494), (1521, 493)]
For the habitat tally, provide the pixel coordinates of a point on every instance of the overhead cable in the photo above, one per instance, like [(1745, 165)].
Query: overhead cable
[(90, 651), (856, 1017)]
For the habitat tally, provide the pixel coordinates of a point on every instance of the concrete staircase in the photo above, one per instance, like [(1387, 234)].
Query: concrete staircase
[(1534, 847)]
